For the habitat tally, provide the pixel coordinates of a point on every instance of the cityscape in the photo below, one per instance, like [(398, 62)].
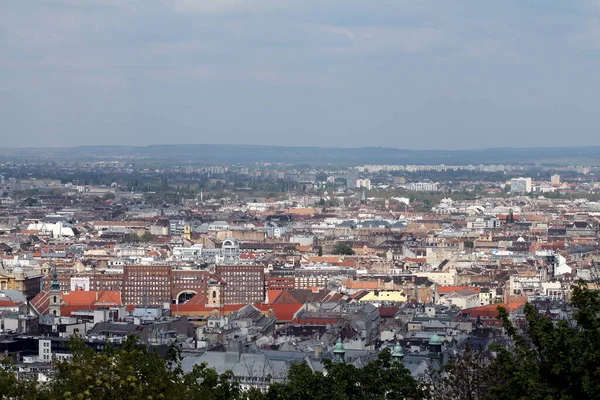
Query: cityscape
[(299, 200), (254, 269)]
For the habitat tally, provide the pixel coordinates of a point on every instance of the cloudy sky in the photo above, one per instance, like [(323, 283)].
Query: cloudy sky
[(418, 74)]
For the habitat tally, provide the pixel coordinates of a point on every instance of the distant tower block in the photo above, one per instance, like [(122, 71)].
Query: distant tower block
[(555, 179)]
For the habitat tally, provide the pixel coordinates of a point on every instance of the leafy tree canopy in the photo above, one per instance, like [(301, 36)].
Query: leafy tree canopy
[(343, 249)]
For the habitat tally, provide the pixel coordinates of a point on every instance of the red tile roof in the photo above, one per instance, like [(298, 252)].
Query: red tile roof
[(8, 303), (491, 310)]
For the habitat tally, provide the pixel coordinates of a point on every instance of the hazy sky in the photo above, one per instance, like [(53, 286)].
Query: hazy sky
[(401, 73)]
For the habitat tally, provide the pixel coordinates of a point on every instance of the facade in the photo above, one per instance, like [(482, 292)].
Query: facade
[(87, 281), (188, 282), (520, 185), (422, 186), (363, 183), (147, 285), (243, 283), (352, 176)]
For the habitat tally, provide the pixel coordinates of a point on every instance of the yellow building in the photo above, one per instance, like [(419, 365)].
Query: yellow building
[(15, 278), (12, 279), (379, 296)]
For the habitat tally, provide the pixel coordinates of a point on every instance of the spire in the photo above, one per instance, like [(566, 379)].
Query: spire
[(363, 198), (54, 285)]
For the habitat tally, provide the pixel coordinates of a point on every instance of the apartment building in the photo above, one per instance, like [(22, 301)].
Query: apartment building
[(147, 285), (243, 283)]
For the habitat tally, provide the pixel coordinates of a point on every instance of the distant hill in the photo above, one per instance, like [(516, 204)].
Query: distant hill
[(199, 154)]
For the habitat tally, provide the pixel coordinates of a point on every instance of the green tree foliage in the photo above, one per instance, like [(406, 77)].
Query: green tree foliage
[(128, 372), (382, 378), (132, 372), (546, 360), (289, 249), (10, 386), (342, 249)]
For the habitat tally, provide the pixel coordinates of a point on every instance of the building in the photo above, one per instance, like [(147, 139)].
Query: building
[(25, 280), (555, 179), (352, 176), (281, 279), (147, 285), (520, 185), (243, 283), (187, 283), (399, 180), (363, 183), (71, 281), (422, 186)]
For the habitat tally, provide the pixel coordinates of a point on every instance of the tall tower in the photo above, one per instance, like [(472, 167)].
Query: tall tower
[(55, 297), (187, 232)]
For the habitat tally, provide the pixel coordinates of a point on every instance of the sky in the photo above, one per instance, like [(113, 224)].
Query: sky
[(414, 74)]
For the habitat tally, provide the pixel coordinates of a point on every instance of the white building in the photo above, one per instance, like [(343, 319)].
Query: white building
[(520, 185), (58, 229), (363, 183), (422, 186)]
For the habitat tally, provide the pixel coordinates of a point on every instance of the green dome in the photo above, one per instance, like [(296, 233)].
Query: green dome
[(398, 352), (435, 340)]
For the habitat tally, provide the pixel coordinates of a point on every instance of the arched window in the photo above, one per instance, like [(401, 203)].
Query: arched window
[(54, 299), (214, 294)]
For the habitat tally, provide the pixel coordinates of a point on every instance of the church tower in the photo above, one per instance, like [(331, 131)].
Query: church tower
[(187, 232), (55, 297)]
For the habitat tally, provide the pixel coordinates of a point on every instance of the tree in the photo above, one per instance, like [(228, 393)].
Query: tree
[(108, 196), (464, 377), (320, 251), (546, 359), (343, 249), (381, 378), (132, 372), (289, 249), (10, 386)]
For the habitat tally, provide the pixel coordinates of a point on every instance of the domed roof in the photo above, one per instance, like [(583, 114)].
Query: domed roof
[(398, 352), (435, 340), (230, 242), (339, 346)]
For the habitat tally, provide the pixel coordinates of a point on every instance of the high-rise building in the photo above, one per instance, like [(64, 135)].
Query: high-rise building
[(555, 179), (520, 185), (352, 176)]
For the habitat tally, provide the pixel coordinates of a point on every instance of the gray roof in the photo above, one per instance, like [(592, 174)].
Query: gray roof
[(14, 295), (243, 365)]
